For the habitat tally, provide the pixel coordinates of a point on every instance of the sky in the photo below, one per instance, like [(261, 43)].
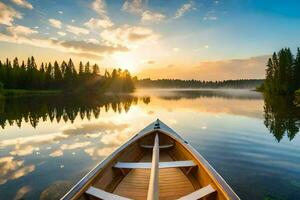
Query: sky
[(185, 39)]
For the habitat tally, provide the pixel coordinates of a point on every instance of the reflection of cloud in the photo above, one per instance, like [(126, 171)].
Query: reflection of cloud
[(73, 146), (57, 153), (23, 150), (95, 153), (11, 169), (151, 112), (33, 140), (8, 163), (56, 190), (22, 192), (22, 172), (94, 128), (93, 135)]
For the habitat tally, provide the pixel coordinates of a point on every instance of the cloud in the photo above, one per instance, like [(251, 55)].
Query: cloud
[(136, 7), (100, 7), (77, 30), (248, 68), (23, 3), (103, 21), (133, 6), (150, 62), (55, 23), (99, 23), (60, 12), (20, 30), (61, 33), (149, 16), (210, 16), (8, 14), (129, 35), (184, 8), (92, 47), (87, 49)]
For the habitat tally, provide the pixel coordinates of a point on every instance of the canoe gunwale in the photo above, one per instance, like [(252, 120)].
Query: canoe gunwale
[(79, 188)]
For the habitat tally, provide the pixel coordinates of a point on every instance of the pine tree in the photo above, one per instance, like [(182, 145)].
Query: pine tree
[(96, 70), (57, 72), (80, 68), (297, 70), (87, 68), (49, 76)]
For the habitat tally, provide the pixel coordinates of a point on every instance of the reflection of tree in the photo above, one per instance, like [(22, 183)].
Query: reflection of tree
[(281, 116), (67, 108)]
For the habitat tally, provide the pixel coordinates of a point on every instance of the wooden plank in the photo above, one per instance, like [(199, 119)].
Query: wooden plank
[(173, 183), (153, 189), (203, 192), (101, 194), (165, 146), (148, 165)]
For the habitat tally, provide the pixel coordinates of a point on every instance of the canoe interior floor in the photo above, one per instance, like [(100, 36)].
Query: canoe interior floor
[(173, 183)]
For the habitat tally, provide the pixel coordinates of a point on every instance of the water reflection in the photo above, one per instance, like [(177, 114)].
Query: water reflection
[(72, 134), (67, 108), (281, 116), (177, 94)]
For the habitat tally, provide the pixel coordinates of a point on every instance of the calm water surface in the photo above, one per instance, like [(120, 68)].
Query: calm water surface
[(48, 143)]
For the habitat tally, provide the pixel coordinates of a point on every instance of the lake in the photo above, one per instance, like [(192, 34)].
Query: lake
[(47, 144)]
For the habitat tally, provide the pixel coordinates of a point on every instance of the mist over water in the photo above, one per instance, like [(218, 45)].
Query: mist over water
[(48, 143)]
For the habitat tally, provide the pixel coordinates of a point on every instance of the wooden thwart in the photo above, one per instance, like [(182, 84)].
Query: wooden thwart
[(147, 165), (165, 146), (101, 194), (198, 194)]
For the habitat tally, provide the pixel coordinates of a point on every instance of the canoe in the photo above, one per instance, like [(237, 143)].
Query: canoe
[(156, 163)]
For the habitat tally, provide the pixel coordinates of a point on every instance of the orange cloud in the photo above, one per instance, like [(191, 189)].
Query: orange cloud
[(248, 68)]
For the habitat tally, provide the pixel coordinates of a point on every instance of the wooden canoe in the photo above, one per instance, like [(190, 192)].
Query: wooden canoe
[(156, 163)]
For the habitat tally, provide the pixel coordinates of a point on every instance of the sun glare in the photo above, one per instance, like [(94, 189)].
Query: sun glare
[(126, 61)]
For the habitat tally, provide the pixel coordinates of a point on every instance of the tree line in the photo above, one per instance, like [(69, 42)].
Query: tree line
[(283, 72), (63, 76), (177, 83)]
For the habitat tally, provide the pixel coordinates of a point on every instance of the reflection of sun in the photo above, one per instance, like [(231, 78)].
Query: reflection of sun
[(126, 61)]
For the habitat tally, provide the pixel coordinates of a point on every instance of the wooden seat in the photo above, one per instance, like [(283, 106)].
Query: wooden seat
[(165, 146), (101, 194), (198, 194), (147, 165)]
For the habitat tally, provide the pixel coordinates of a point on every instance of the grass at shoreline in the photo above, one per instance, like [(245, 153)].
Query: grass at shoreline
[(19, 93)]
